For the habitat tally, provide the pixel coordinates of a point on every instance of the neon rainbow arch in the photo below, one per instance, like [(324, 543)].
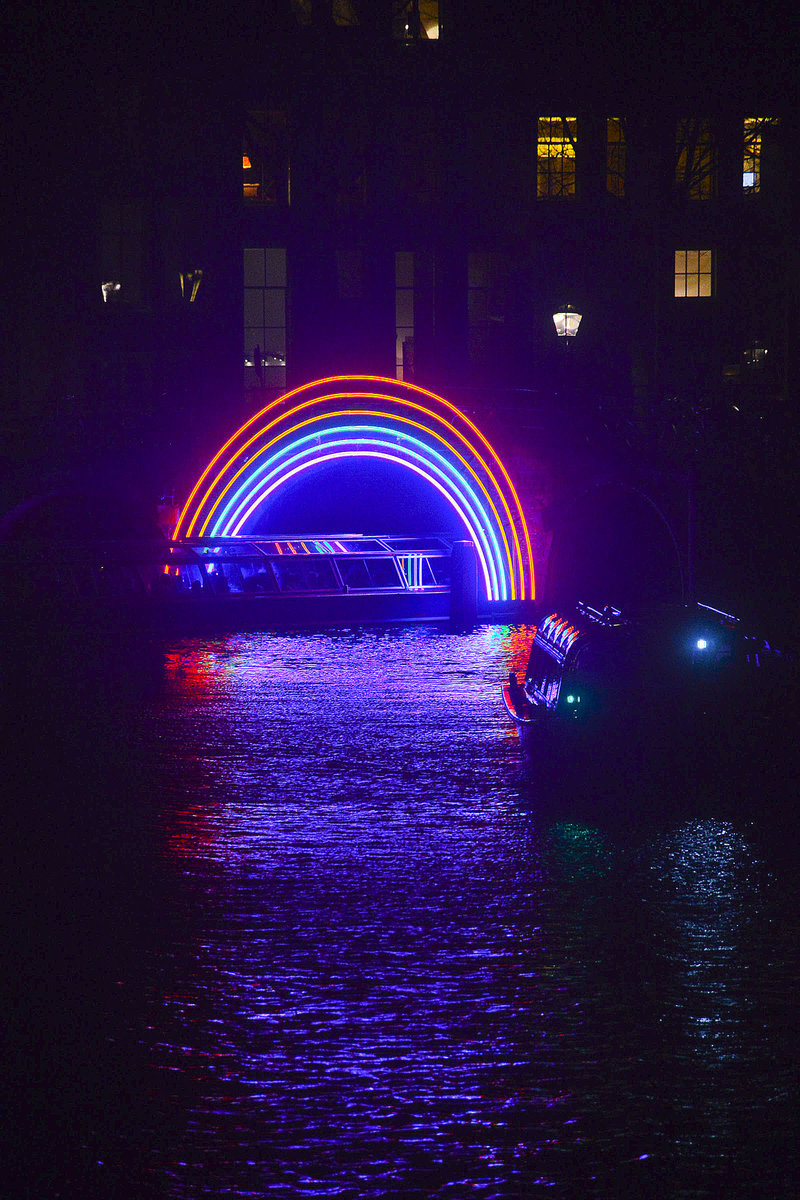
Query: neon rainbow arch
[(369, 416)]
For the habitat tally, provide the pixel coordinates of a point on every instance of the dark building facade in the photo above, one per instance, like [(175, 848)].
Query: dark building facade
[(407, 189)]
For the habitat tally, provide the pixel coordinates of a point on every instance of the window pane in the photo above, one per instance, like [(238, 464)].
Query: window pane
[(274, 268), (253, 307), (556, 156), (404, 307), (274, 306), (254, 268), (403, 269)]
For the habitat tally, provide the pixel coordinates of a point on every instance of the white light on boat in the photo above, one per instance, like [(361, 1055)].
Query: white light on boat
[(701, 644)]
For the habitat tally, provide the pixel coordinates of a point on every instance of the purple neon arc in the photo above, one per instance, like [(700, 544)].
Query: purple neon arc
[(247, 490), (470, 504), (239, 526)]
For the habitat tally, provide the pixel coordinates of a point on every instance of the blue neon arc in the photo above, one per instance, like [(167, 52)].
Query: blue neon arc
[(279, 479), (242, 504), (235, 523)]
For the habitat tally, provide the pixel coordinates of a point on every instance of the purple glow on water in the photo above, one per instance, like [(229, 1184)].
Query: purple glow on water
[(377, 958)]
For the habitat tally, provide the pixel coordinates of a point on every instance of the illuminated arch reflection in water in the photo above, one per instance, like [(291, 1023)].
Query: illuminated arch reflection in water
[(401, 970)]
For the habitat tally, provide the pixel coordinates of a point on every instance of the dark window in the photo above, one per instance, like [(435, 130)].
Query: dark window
[(354, 572), (383, 573)]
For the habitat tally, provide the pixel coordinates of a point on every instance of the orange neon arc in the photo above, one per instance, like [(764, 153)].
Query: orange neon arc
[(274, 425), (230, 479)]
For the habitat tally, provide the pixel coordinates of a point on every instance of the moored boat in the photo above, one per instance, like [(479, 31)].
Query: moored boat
[(209, 585), (671, 684)]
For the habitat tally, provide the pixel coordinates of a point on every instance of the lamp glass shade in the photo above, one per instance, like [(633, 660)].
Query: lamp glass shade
[(567, 321)]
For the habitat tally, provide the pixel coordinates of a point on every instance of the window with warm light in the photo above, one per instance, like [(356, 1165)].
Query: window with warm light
[(404, 314), (555, 156), (694, 273), (615, 156), (415, 20), (265, 158), (754, 130), (264, 317), (696, 159)]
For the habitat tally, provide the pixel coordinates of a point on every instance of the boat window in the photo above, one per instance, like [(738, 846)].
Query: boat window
[(257, 576), (362, 546), (417, 571), (231, 573), (311, 574), (543, 676), (383, 573), (408, 545), (354, 572), (189, 578), (441, 570), (230, 548)]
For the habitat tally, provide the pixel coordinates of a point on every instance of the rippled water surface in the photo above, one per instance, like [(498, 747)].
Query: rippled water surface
[(302, 925)]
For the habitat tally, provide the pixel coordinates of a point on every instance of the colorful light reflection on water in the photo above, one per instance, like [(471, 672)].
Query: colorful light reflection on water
[(384, 964)]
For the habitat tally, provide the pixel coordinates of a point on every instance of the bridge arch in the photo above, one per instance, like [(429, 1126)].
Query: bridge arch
[(369, 417), (614, 544)]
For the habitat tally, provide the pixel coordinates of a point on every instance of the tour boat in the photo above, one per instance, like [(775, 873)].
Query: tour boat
[(208, 585), (655, 685)]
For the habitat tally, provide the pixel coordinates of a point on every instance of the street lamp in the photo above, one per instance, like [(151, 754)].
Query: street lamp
[(567, 322)]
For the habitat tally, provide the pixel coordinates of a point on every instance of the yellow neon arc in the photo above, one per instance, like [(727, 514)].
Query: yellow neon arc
[(388, 398), (394, 416), (375, 396), (365, 412)]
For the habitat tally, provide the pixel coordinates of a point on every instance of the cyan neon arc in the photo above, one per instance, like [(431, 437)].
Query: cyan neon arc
[(368, 416)]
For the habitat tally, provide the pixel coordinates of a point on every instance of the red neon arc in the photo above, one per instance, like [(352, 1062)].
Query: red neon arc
[(274, 422)]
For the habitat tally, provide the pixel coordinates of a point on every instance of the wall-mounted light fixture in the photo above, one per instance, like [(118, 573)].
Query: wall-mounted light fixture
[(190, 283), (111, 290)]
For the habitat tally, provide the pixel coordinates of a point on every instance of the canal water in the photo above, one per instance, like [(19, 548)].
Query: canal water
[(290, 917)]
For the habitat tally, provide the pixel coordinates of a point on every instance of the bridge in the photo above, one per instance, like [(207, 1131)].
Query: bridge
[(547, 514)]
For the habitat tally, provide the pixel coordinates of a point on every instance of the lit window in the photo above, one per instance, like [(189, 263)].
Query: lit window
[(555, 173), (615, 156), (404, 314), (754, 128), (696, 159), (694, 273), (415, 20), (486, 306), (264, 318), (265, 158)]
